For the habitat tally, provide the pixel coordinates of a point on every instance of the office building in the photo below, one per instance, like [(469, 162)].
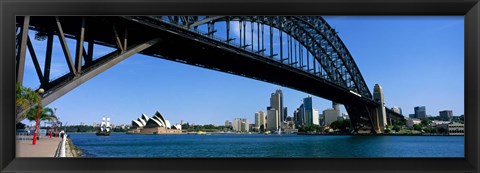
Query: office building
[(413, 121), (237, 124), (240, 125), (308, 110), (335, 105), (272, 119), (276, 102), (453, 128), (315, 119), (259, 120), (411, 115), (329, 116), (446, 114), (227, 123), (420, 112), (299, 117)]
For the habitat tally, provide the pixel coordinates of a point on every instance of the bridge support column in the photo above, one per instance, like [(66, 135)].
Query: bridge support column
[(377, 125)]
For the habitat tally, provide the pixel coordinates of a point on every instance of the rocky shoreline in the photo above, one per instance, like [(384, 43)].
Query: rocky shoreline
[(71, 150)]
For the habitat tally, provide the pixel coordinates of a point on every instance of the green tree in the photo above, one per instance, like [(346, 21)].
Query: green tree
[(46, 114), (396, 128), (425, 122), (335, 125), (387, 131), (430, 130), (417, 127), (25, 98), (186, 126)]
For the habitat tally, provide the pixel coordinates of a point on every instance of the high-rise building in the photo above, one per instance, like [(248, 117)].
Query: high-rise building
[(259, 119), (379, 98), (240, 125), (315, 118), (411, 115), (299, 117), (237, 124), (276, 101), (245, 126), (420, 112), (227, 123), (308, 110), (330, 115), (335, 106), (272, 119), (446, 114)]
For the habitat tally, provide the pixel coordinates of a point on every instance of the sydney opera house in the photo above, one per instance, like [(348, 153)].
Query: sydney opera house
[(155, 125)]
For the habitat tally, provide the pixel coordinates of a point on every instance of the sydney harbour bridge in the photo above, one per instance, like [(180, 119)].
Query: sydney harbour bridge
[(299, 52)]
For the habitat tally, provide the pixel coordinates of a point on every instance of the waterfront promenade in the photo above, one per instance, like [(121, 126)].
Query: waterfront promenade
[(45, 147)]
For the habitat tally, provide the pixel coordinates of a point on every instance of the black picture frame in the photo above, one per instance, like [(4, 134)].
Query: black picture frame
[(10, 8)]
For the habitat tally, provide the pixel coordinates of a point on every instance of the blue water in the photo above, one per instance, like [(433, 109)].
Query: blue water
[(255, 145)]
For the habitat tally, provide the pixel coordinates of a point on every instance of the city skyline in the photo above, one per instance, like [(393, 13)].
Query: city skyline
[(420, 67)]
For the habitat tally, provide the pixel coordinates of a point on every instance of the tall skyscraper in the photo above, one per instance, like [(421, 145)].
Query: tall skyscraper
[(420, 112), (259, 119), (382, 114), (446, 114), (335, 106), (272, 119), (315, 118), (276, 101), (308, 110), (299, 116)]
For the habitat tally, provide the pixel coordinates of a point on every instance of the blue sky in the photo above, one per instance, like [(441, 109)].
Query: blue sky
[(418, 60)]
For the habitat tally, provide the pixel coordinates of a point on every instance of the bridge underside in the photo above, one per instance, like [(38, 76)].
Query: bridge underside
[(172, 43)]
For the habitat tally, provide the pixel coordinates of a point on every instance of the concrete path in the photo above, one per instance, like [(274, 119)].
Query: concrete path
[(45, 146)]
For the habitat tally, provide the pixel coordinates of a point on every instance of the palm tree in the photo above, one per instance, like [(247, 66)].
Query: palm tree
[(46, 114), (25, 98)]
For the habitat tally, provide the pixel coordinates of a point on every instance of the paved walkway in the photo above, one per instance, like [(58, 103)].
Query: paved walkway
[(45, 147)]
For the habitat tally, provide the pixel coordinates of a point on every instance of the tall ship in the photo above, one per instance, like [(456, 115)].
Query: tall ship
[(104, 127)]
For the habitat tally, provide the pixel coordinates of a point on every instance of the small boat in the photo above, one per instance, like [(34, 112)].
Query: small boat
[(104, 128)]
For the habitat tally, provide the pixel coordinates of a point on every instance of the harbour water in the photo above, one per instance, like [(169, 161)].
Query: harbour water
[(259, 145)]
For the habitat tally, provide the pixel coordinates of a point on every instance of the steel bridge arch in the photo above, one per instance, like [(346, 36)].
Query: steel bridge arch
[(312, 32)]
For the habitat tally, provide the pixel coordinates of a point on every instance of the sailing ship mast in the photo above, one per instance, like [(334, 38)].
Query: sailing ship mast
[(102, 125), (108, 125)]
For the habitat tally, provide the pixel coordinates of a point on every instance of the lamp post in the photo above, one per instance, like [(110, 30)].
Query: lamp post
[(40, 92)]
